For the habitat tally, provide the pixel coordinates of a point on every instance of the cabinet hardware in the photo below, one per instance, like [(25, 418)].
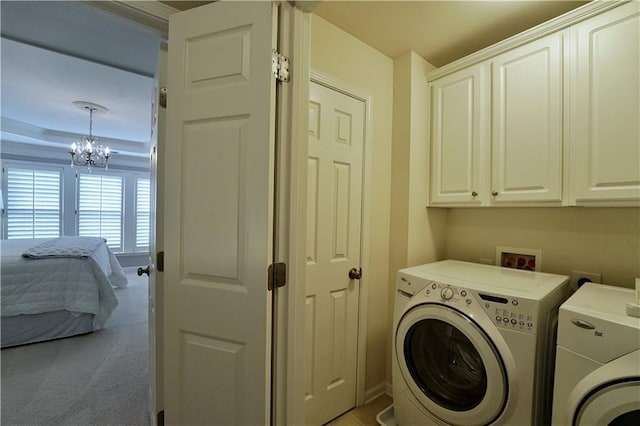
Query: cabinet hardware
[(474, 194), (494, 193)]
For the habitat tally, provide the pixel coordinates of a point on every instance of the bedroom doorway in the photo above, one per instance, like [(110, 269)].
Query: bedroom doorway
[(48, 28)]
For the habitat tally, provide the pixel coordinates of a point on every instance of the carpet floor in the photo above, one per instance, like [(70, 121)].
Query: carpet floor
[(98, 379)]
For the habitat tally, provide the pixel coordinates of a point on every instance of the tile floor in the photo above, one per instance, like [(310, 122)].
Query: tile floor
[(363, 416)]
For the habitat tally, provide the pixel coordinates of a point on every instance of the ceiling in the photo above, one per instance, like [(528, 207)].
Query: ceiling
[(54, 53), (439, 31)]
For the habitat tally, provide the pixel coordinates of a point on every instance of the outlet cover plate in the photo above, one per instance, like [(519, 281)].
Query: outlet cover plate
[(577, 275)]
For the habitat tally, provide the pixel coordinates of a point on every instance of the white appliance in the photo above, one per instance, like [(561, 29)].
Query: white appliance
[(597, 378), (473, 344)]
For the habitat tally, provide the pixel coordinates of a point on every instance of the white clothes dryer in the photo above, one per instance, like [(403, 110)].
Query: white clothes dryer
[(472, 344), (597, 378)]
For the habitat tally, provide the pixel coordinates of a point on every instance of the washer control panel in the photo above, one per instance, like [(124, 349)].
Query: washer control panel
[(505, 312)]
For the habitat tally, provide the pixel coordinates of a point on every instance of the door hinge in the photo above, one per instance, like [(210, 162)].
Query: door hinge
[(277, 275), (162, 97), (160, 261), (280, 66)]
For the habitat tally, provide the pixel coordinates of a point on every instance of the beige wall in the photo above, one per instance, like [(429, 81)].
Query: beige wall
[(340, 55), (417, 234), (600, 240)]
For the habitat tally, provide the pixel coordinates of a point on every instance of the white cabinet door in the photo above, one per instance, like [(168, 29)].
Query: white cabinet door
[(218, 211), (458, 124), (605, 135), (526, 140)]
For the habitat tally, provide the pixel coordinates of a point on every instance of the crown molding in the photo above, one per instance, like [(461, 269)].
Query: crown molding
[(152, 15), (27, 134), (546, 28)]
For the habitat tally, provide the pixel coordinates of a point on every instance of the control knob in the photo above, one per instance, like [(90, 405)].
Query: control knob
[(446, 293)]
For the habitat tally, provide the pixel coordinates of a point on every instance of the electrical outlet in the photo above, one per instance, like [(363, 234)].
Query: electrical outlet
[(579, 277)]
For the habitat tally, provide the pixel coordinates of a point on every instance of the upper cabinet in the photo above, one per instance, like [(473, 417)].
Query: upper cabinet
[(605, 108), (547, 118), (458, 123), (526, 130)]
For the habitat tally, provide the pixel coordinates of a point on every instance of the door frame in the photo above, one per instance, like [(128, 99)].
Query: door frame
[(291, 213), (366, 98), (292, 123)]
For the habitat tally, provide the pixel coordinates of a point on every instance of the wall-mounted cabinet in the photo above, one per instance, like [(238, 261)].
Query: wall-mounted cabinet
[(605, 108), (526, 130), (497, 129), (548, 119), (458, 123)]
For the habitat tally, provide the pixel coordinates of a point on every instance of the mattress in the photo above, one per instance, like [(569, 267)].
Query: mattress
[(23, 329), (74, 285)]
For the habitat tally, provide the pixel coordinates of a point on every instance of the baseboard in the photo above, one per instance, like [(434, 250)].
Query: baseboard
[(377, 391), (389, 389)]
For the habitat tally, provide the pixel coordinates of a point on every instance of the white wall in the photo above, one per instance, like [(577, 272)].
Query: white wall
[(338, 54)]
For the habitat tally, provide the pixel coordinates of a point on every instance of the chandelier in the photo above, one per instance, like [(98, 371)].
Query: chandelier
[(87, 152)]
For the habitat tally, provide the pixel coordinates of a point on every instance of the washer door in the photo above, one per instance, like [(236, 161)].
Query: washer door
[(610, 395), (614, 404), (450, 365)]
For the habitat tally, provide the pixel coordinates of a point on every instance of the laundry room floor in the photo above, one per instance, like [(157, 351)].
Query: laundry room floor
[(363, 416)]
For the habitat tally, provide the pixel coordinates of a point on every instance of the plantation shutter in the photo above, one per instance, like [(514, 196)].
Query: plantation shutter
[(100, 208), (142, 213), (33, 203)]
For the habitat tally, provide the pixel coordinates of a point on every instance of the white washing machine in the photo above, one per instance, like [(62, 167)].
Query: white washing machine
[(597, 378), (473, 344)]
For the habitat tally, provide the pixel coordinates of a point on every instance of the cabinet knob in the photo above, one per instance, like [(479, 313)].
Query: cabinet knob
[(494, 193), (474, 194)]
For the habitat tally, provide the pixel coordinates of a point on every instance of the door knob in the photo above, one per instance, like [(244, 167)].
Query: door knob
[(143, 271), (355, 273)]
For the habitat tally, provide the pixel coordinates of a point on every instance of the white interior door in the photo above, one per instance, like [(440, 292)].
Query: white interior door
[(219, 169), (156, 243), (334, 206)]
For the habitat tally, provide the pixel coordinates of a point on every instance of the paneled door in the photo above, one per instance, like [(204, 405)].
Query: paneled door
[(526, 142), (218, 223), (605, 147), (156, 242), (458, 109), (334, 207)]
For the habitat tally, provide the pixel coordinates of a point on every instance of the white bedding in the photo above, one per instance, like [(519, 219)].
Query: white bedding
[(79, 285)]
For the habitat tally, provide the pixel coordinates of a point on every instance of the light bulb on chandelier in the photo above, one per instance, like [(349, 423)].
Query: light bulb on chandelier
[(88, 152)]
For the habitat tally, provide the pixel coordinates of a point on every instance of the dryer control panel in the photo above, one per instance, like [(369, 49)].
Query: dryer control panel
[(505, 311)]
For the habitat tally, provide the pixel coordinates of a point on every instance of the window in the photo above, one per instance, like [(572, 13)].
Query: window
[(33, 202), (143, 192), (100, 208)]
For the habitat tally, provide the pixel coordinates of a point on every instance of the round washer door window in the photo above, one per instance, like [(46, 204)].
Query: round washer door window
[(613, 404), (450, 365)]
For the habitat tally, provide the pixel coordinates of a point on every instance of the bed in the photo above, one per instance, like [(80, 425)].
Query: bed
[(54, 288)]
